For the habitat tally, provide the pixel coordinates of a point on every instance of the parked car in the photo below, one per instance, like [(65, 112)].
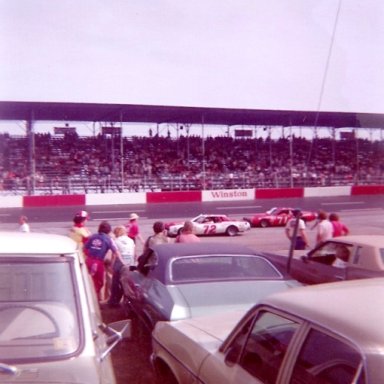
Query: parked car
[(50, 324), (184, 280), (341, 258), (208, 225), (277, 217), (324, 334)]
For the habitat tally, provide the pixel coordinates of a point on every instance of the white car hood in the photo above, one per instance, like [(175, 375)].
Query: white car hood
[(209, 331)]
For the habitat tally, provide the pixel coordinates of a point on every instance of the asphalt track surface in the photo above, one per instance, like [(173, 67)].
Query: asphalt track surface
[(362, 214)]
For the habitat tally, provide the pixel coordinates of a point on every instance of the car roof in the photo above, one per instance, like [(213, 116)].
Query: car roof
[(352, 308), (21, 243), (371, 240), (201, 248), (165, 252), (212, 214)]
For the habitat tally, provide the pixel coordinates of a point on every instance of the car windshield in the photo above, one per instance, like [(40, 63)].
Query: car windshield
[(38, 317), (272, 211), (226, 267)]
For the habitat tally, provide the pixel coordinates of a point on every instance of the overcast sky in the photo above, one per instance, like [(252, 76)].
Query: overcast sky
[(260, 54)]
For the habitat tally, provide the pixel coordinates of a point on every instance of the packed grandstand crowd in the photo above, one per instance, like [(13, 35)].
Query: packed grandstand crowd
[(100, 164)]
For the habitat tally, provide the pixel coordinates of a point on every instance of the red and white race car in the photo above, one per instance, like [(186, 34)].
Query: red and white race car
[(207, 225), (277, 217)]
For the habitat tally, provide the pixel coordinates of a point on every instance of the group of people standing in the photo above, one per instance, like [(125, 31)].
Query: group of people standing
[(109, 250), (327, 227)]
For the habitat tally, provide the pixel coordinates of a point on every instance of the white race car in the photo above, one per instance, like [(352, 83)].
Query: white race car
[(208, 225)]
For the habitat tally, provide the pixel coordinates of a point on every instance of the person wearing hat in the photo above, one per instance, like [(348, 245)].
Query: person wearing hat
[(133, 230), (301, 241), (79, 232)]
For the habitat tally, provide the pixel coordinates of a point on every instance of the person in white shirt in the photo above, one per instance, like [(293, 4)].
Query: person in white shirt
[(301, 241), (324, 228), (126, 247), (24, 226)]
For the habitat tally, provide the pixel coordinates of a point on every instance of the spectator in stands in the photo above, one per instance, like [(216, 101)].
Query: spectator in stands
[(84, 163), (339, 228), (187, 235)]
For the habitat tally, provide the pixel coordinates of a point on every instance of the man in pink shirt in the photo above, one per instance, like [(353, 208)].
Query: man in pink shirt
[(339, 228)]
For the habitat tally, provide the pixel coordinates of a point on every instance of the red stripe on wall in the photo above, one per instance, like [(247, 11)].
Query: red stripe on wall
[(279, 193), (367, 190), (173, 197), (51, 201)]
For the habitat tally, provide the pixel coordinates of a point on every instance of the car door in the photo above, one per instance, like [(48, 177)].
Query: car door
[(91, 316), (282, 217), (255, 353)]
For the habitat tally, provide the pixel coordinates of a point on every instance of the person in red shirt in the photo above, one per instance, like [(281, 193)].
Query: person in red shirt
[(96, 249), (339, 229), (133, 231)]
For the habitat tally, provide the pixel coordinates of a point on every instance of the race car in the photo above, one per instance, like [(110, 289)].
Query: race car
[(208, 225), (277, 217)]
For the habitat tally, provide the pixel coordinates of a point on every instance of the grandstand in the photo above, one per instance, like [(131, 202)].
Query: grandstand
[(49, 164), (70, 164)]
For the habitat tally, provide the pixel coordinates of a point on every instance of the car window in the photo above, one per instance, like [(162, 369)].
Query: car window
[(262, 350), (357, 254), (228, 267), (38, 316), (329, 252), (325, 359)]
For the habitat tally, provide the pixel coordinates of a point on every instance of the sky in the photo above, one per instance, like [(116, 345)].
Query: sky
[(260, 54)]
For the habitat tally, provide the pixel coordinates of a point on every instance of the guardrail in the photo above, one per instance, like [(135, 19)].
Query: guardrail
[(108, 184)]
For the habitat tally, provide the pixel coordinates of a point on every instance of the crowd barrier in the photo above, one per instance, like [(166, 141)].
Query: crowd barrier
[(185, 196)]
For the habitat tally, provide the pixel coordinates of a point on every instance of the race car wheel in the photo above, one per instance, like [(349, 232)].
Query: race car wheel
[(264, 223), (231, 231)]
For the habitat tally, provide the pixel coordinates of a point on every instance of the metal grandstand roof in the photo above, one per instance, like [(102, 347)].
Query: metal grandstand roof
[(56, 111)]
